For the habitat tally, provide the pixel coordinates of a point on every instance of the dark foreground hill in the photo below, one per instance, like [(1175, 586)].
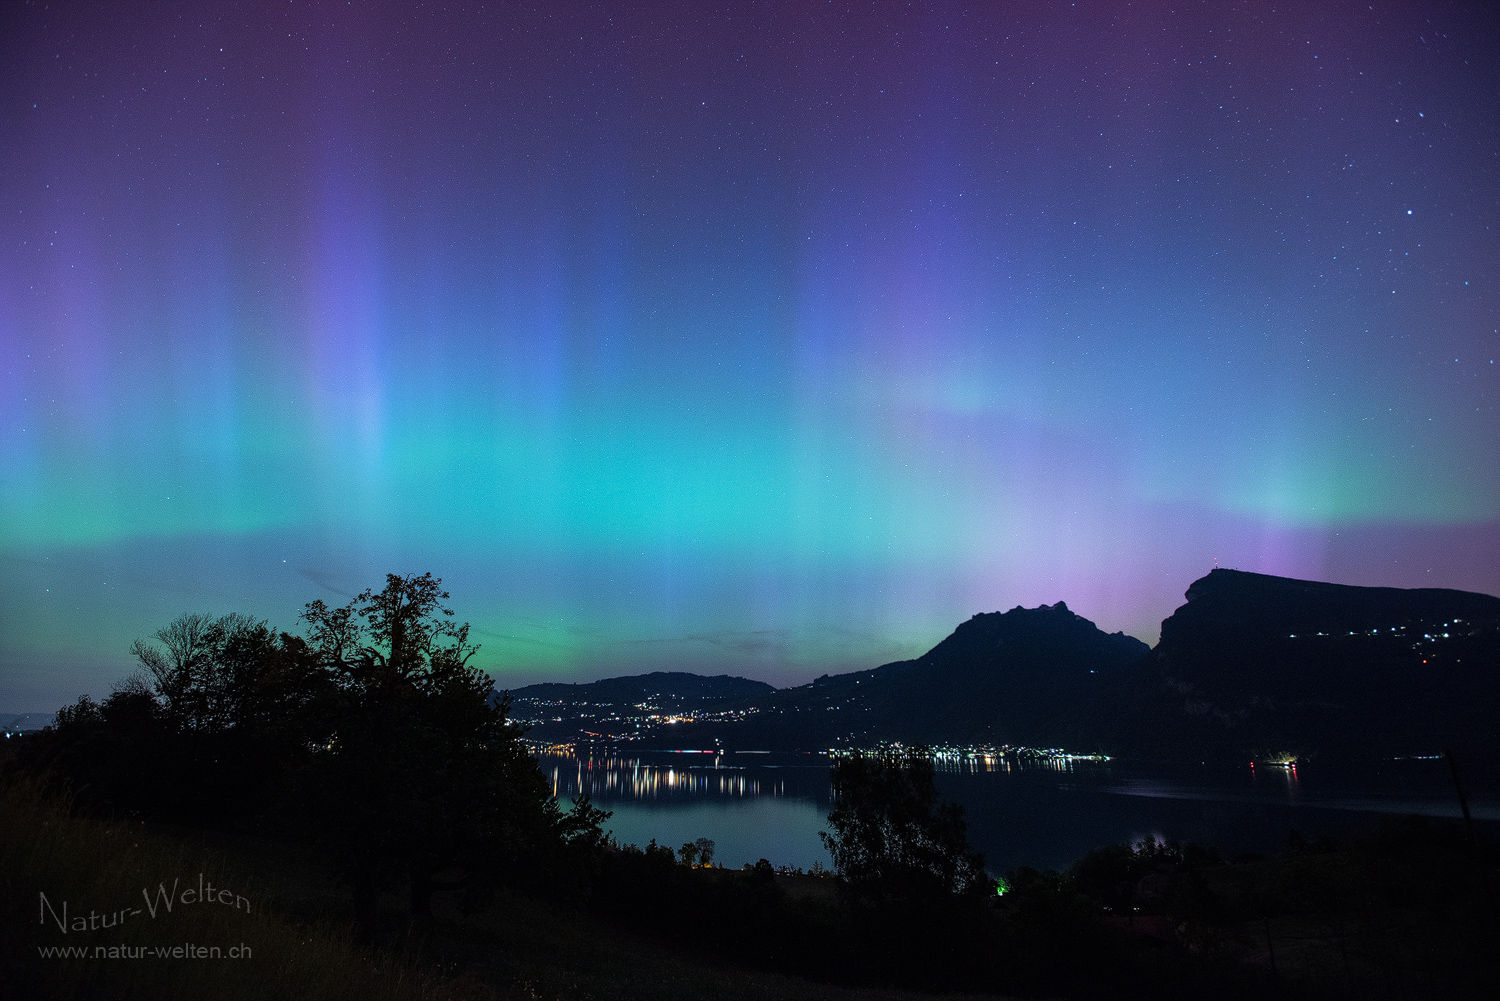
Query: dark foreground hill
[(1255, 664)]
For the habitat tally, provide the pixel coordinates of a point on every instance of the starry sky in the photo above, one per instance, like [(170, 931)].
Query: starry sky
[(773, 339)]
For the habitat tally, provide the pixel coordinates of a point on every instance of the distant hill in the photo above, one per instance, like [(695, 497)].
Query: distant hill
[(621, 708), (676, 685), (1016, 677), (21, 722), (1258, 664)]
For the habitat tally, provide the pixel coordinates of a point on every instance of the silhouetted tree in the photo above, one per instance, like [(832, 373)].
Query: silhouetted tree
[(112, 754), (424, 770), (376, 733), (242, 706), (915, 894), (194, 684), (892, 840), (223, 713)]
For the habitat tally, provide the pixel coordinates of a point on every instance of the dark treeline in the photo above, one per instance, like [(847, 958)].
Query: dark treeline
[(372, 734), (374, 737)]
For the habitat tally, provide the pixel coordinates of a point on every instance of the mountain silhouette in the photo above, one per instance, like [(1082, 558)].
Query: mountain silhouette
[(1254, 664), (1015, 677)]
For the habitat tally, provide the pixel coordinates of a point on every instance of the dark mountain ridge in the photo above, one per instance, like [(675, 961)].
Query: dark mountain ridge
[(1011, 677), (1254, 664), (1251, 665)]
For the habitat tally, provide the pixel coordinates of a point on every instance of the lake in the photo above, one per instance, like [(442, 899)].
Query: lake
[(1043, 813)]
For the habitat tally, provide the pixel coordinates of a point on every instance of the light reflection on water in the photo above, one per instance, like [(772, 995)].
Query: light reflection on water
[(672, 775), (772, 807), (613, 778), (1045, 812), (979, 764)]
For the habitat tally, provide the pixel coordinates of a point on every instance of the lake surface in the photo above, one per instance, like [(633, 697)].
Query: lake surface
[(1041, 813)]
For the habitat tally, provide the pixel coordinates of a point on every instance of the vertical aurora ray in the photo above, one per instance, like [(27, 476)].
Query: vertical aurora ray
[(774, 342)]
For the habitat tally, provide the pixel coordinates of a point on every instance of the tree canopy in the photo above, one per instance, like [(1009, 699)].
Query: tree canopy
[(375, 734), (892, 841)]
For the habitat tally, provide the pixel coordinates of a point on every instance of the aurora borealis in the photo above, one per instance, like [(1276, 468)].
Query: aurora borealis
[(774, 339)]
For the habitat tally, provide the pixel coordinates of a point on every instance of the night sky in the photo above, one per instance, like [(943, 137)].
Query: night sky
[(774, 340)]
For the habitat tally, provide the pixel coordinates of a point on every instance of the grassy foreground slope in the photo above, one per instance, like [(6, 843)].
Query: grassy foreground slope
[(95, 872), (295, 923)]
